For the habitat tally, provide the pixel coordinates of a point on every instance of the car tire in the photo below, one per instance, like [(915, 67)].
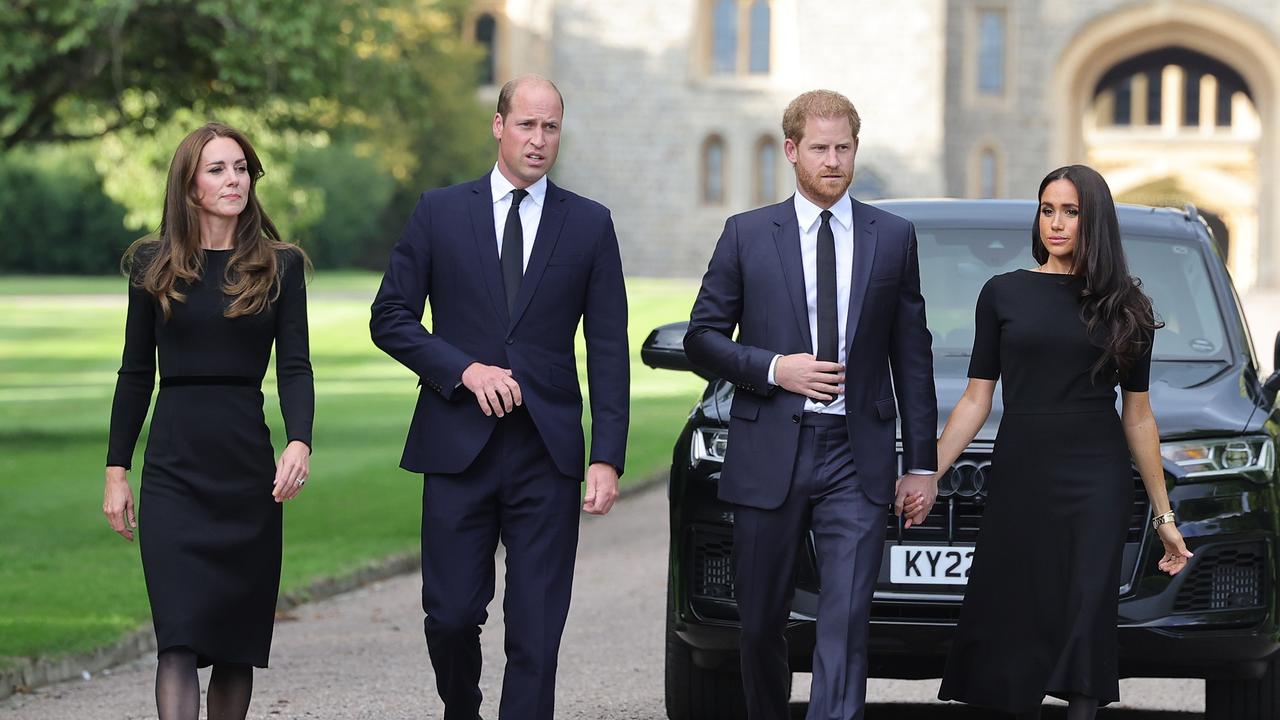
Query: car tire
[(1257, 699), (694, 693)]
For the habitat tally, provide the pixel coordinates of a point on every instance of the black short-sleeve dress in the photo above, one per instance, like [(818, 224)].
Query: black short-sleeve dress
[(209, 529), (1041, 606)]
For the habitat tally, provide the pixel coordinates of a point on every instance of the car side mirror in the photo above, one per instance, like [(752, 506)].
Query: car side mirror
[(1272, 384), (664, 350)]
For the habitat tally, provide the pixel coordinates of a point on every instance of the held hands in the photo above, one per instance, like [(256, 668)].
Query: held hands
[(602, 488), (1175, 550), (117, 503), (292, 470), (915, 497), (804, 375), (495, 390)]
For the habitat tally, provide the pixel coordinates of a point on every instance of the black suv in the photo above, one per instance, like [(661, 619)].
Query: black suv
[(1218, 424)]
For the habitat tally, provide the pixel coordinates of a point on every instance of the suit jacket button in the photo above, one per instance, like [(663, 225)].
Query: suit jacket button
[(795, 418), (511, 341)]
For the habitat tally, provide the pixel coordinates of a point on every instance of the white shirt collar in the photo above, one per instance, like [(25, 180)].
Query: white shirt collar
[(807, 213), (502, 187)]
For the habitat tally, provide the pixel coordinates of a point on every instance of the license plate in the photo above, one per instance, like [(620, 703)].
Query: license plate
[(929, 564)]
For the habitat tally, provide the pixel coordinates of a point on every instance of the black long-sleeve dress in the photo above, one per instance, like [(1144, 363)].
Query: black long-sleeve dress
[(1041, 606), (209, 529)]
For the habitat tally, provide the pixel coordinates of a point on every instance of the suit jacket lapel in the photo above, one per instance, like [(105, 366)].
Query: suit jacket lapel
[(553, 212), (786, 235), (864, 255), (486, 243)]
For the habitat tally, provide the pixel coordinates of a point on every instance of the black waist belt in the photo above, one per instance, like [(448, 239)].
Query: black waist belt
[(187, 380), (825, 420)]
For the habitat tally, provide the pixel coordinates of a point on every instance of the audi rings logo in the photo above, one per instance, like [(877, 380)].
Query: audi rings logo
[(966, 479)]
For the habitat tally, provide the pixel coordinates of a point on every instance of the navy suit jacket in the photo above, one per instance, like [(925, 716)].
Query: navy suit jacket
[(448, 255), (755, 283)]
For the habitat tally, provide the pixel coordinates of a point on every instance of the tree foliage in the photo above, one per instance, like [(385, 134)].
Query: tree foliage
[(72, 69), (371, 100)]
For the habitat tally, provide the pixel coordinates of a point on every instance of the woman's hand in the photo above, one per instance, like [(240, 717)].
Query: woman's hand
[(117, 503), (1175, 550), (292, 470)]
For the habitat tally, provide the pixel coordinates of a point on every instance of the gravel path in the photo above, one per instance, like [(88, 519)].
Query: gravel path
[(361, 656)]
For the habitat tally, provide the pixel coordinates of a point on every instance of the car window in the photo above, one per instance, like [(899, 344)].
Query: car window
[(955, 263)]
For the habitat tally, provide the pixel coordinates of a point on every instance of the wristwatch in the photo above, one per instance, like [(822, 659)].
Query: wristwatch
[(1159, 520)]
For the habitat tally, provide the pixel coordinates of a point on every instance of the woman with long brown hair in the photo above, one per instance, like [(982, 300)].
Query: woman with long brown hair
[(209, 294), (1040, 608)]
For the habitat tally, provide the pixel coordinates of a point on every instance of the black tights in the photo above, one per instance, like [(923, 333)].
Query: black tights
[(1079, 707), (178, 688)]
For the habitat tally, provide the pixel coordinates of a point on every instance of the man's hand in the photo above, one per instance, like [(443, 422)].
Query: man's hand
[(602, 488), (803, 375), (495, 390), (915, 497)]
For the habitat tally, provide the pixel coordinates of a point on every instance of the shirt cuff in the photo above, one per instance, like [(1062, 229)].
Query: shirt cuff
[(773, 366), (916, 471)]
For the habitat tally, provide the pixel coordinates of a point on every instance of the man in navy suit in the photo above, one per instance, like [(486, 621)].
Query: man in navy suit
[(510, 264), (824, 292)]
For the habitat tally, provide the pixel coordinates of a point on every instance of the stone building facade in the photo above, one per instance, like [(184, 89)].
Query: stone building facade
[(674, 106)]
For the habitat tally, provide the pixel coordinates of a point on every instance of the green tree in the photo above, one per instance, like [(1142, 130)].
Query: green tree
[(55, 216), (74, 69), (367, 86)]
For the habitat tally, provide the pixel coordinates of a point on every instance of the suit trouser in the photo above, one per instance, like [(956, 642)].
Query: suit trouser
[(513, 493), (825, 497)]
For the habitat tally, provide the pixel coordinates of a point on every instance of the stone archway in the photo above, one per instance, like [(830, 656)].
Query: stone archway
[(1247, 203), (1171, 192)]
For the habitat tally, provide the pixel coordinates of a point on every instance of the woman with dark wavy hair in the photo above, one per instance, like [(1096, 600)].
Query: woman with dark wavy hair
[(1040, 608), (209, 294)]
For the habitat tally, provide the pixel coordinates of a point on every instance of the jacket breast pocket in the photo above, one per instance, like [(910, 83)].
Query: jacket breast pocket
[(744, 407), (884, 281), (887, 409)]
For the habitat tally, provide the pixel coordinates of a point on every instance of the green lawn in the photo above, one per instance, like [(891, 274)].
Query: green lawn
[(67, 583)]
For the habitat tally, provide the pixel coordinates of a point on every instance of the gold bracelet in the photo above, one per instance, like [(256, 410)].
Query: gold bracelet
[(1162, 519)]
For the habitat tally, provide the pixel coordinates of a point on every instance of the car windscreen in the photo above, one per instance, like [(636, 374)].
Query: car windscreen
[(956, 262)]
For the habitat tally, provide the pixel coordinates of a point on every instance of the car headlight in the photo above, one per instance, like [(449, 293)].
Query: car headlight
[(708, 445), (1197, 460)]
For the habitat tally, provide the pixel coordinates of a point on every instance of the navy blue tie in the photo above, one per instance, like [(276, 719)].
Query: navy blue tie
[(828, 310), (513, 250)]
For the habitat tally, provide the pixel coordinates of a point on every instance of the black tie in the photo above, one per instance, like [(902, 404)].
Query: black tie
[(513, 250), (828, 310)]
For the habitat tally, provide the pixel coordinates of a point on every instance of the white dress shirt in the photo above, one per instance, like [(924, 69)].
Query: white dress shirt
[(810, 219), (530, 209)]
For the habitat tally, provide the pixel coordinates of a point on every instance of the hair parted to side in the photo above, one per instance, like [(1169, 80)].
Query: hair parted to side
[(159, 263), (1117, 314), (820, 104), (509, 88)]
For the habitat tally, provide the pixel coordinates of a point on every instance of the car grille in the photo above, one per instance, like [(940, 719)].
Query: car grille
[(1224, 577), (962, 498), (712, 565)]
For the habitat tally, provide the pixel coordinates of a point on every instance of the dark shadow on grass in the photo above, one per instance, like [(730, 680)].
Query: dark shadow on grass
[(41, 439), (894, 711)]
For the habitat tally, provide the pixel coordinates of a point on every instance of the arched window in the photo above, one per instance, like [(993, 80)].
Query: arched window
[(766, 190), (724, 37), (739, 36), (758, 62), (713, 191), (1195, 88), (487, 37), (991, 52)]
